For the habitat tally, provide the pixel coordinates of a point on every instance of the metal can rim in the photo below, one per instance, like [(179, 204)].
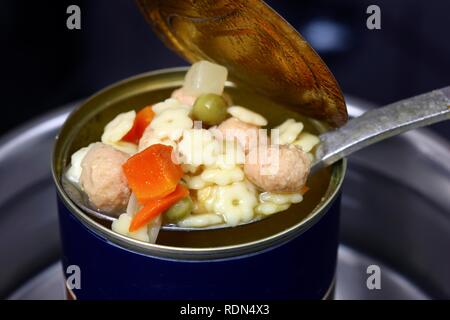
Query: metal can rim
[(188, 253)]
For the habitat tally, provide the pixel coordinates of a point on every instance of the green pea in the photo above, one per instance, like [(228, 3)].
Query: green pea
[(180, 209), (210, 108)]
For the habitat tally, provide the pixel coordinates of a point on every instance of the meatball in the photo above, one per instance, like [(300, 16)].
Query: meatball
[(103, 179), (286, 171), (183, 98), (246, 134)]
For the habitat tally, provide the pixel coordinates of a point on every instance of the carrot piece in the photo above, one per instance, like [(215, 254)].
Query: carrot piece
[(142, 120), (155, 207), (151, 173)]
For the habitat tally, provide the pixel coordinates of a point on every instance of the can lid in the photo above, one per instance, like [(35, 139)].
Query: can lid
[(260, 49)]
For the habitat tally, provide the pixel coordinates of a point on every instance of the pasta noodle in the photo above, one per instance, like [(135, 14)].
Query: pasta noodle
[(306, 141), (171, 123), (118, 127), (248, 116), (288, 131), (201, 220), (198, 147), (74, 172), (235, 202)]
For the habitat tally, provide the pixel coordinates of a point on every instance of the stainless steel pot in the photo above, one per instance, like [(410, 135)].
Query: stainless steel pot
[(410, 174)]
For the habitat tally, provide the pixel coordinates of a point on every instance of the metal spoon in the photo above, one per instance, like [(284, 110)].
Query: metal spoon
[(371, 127), (382, 123)]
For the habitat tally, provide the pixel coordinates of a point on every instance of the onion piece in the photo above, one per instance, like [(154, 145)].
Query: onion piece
[(205, 77), (133, 205), (153, 229)]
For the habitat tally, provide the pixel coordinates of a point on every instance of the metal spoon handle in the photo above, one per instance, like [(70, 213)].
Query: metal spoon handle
[(382, 123)]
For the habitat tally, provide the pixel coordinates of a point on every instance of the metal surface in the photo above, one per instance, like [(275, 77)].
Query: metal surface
[(243, 36), (395, 214), (382, 123)]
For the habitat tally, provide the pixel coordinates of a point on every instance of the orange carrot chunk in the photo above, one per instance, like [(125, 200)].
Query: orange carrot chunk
[(151, 173), (155, 207), (142, 120)]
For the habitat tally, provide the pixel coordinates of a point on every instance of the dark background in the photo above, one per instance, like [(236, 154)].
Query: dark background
[(44, 65)]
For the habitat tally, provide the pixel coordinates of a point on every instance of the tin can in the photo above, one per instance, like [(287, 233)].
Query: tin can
[(291, 255)]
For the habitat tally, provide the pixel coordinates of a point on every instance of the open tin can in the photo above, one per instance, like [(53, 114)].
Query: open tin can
[(291, 255)]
